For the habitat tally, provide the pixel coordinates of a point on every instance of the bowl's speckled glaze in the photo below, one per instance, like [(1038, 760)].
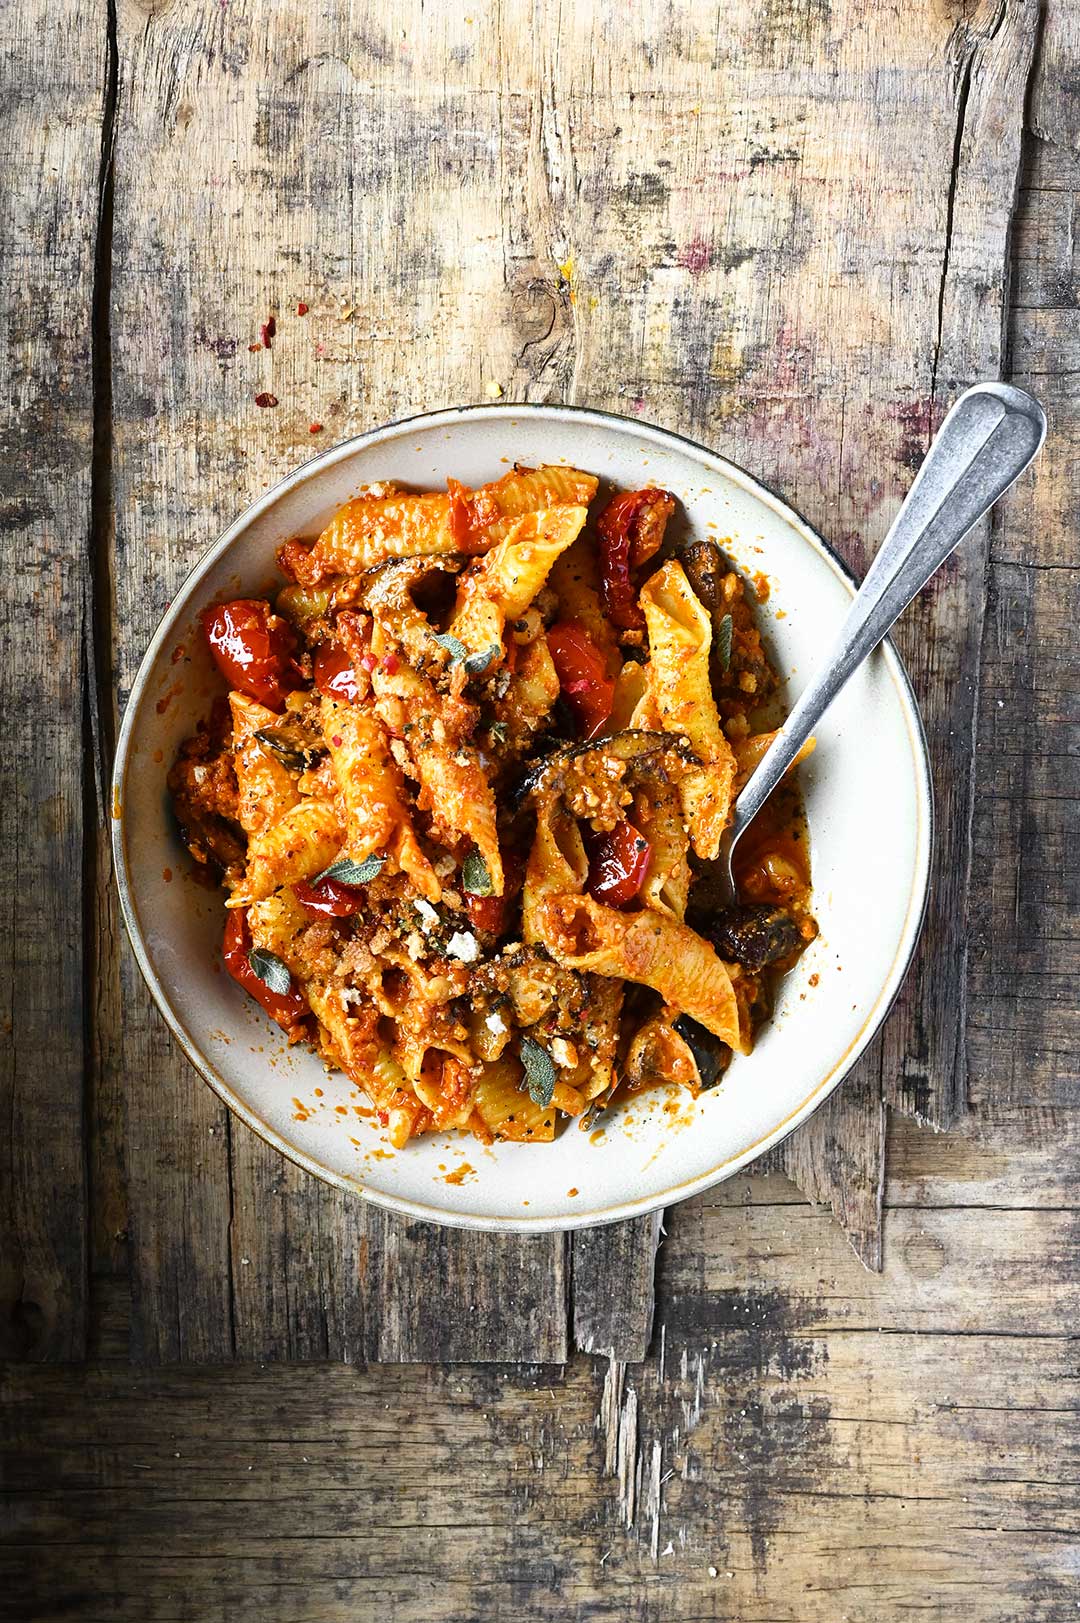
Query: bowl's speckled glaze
[(868, 800)]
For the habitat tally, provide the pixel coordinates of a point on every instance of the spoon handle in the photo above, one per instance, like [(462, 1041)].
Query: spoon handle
[(987, 440)]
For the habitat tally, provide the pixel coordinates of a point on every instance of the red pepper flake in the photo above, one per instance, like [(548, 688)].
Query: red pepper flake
[(336, 741), (368, 661), (253, 347), (301, 308), (268, 332), (314, 428), (266, 399)]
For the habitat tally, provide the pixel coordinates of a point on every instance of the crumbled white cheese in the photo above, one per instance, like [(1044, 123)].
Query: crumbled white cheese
[(426, 912), (415, 946), (351, 995), (462, 945), (495, 1023), (563, 1053)]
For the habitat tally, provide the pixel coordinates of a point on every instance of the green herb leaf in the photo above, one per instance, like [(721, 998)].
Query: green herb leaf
[(348, 872), (474, 874), (723, 642), (541, 1072), (270, 969), (453, 645), (499, 731), (477, 664)]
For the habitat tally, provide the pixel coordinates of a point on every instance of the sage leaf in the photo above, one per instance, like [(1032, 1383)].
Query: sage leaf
[(270, 970), (474, 875), (540, 1071), (348, 872), (723, 642), (477, 664), (453, 645)]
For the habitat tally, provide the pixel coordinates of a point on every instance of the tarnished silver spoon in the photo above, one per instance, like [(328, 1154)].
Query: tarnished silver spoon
[(990, 436)]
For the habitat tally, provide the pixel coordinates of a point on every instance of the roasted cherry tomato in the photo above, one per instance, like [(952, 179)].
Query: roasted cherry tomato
[(583, 678), (631, 528), (329, 899), (335, 675), (618, 863), (287, 1008), (253, 649)]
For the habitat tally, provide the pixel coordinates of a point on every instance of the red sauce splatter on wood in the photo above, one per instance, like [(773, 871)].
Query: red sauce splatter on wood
[(314, 428), (268, 332), (266, 399), (301, 308)]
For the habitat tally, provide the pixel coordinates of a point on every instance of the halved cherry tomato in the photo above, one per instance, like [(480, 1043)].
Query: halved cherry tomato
[(618, 862), (253, 649), (287, 1008), (335, 674), (631, 528), (329, 899), (583, 678)]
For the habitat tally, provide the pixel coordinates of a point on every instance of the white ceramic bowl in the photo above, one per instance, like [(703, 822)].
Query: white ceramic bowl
[(868, 799)]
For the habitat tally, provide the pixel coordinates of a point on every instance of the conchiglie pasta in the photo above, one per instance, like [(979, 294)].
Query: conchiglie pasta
[(507, 1110), (298, 846), (680, 635), (651, 949), (501, 585)]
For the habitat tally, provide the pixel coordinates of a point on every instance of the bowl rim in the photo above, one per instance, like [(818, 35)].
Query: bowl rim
[(913, 922)]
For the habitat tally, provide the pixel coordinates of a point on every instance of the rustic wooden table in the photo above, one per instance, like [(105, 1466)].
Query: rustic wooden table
[(793, 229)]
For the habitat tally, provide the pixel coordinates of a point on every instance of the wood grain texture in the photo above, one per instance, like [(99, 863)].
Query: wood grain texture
[(805, 1440), (50, 146), (613, 1302), (760, 1466)]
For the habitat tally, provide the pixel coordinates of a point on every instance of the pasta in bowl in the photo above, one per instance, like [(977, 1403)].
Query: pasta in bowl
[(466, 794), (812, 1009)]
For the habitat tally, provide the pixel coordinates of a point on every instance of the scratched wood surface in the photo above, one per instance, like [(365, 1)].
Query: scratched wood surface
[(50, 138), (806, 1440)]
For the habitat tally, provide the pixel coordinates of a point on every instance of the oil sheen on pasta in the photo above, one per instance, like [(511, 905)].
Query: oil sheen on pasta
[(465, 787)]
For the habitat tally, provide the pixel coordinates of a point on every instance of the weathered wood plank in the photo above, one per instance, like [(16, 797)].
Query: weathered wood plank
[(783, 1454), (50, 147), (613, 1272), (990, 55)]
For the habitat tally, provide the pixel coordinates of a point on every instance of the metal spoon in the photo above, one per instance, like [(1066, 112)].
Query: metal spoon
[(989, 437)]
